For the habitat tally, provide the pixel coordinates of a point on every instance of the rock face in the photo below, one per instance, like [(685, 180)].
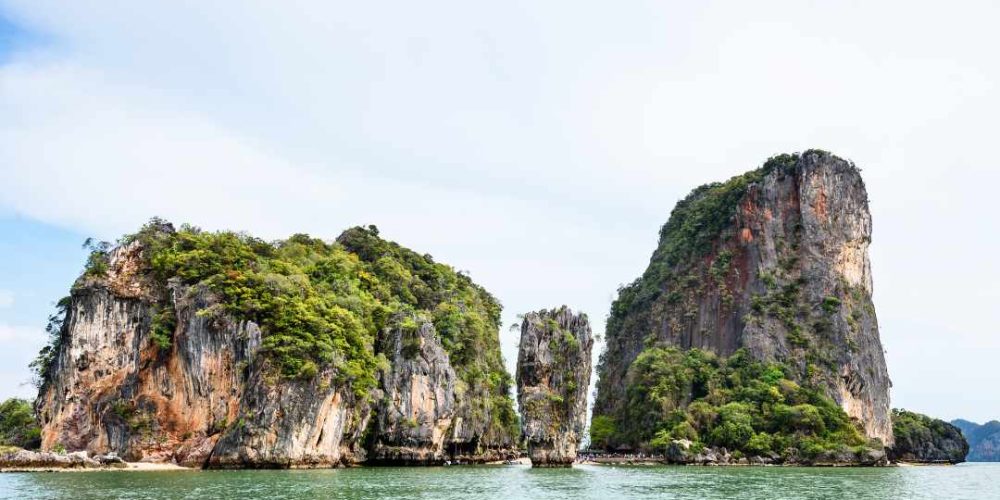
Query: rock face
[(553, 377), (984, 440), (418, 405), (213, 397), (774, 262), (923, 439)]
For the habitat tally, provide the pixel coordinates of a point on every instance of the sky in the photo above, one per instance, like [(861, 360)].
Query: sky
[(537, 145)]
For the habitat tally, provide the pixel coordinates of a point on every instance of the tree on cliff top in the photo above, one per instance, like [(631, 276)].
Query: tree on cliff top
[(320, 305)]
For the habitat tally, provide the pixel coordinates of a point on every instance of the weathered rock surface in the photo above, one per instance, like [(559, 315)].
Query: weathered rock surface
[(35, 460), (553, 377), (922, 439), (211, 399), (774, 262), (418, 403), (112, 389), (298, 424)]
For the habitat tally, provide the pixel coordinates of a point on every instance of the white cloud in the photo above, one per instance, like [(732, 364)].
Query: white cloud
[(6, 299), (104, 157), (538, 145), (17, 334)]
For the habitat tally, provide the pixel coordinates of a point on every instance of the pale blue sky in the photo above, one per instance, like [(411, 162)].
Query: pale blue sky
[(538, 145)]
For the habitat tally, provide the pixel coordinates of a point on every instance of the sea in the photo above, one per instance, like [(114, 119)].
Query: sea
[(599, 482)]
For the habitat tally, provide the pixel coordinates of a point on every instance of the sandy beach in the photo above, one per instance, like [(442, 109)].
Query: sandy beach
[(148, 466)]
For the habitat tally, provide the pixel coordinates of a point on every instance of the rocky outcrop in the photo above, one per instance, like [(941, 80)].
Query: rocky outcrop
[(773, 262), (418, 402), (112, 389), (298, 424), (26, 460), (922, 439), (211, 395), (553, 377)]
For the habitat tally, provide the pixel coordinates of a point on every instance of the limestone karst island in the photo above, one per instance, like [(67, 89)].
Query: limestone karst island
[(750, 339)]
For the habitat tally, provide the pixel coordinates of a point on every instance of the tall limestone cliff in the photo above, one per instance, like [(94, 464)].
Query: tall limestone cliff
[(553, 377), (219, 349), (772, 264), (418, 403)]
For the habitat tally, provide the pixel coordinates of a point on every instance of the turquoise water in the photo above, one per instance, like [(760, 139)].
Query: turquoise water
[(972, 481)]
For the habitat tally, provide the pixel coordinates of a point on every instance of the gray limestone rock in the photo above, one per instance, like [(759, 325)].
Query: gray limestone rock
[(553, 377), (774, 262), (418, 402)]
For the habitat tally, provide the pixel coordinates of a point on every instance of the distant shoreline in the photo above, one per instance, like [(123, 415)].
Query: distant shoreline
[(642, 462), (659, 462), (162, 466)]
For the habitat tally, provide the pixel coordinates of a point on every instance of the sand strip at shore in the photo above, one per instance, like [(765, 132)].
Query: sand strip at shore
[(144, 466)]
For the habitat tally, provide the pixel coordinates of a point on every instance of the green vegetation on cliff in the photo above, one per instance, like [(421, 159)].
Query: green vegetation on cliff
[(553, 375), (736, 403), (42, 363), (755, 263), (920, 438), (695, 222), (321, 305)]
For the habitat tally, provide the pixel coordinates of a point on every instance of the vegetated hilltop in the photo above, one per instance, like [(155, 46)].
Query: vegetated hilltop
[(753, 328), (221, 349), (923, 439), (984, 440)]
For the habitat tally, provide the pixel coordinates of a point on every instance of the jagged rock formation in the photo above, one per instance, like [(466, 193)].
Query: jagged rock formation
[(216, 349), (923, 439), (984, 440), (553, 377), (773, 263), (418, 403)]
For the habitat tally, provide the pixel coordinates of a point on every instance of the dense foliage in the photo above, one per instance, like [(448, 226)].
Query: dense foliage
[(602, 431), (466, 317), (737, 403), (17, 424), (321, 305)]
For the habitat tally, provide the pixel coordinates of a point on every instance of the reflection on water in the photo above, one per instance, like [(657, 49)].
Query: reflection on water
[(512, 482)]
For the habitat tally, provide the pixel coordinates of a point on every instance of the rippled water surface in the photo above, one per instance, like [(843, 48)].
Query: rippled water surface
[(972, 481)]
